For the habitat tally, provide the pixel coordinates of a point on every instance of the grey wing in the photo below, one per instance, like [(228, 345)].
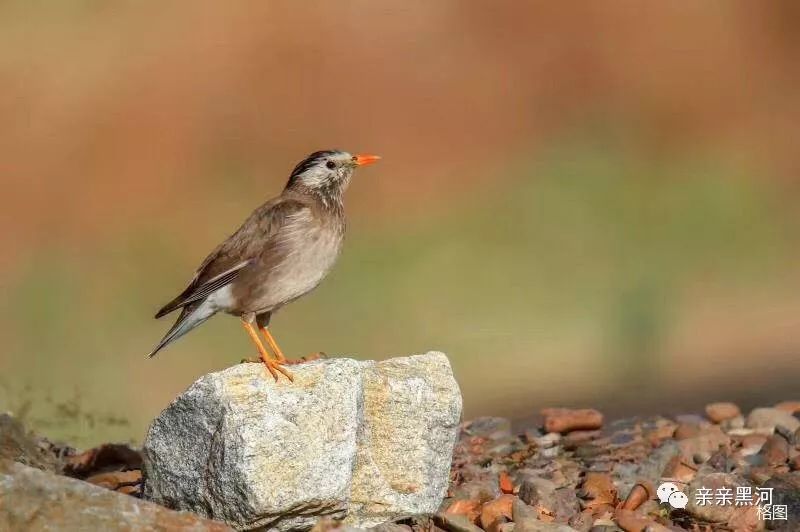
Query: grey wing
[(240, 250)]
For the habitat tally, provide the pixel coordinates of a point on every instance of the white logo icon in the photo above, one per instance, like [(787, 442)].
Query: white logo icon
[(669, 493), (678, 500), (665, 490)]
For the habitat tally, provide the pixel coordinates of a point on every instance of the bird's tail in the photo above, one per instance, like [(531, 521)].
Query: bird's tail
[(188, 320)]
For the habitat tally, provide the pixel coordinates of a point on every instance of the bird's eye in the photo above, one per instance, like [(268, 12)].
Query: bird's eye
[(331, 165)]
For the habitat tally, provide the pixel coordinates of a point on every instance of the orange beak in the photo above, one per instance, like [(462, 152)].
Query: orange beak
[(363, 160)]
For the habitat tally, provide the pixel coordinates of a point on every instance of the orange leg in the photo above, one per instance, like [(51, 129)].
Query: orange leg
[(272, 365), (279, 354), (273, 345)]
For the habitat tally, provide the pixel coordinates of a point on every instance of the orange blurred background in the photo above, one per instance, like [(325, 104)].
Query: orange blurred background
[(580, 202)]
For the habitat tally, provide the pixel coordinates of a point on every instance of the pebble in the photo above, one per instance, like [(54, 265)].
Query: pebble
[(491, 428), (497, 511), (752, 444), (471, 509), (630, 521), (455, 523), (534, 491), (792, 407), (480, 490), (548, 440), (775, 451), (719, 412), (685, 431), (705, 443), (767, 418), (115, 479), (679, 470), (565, 420), (638, 495)]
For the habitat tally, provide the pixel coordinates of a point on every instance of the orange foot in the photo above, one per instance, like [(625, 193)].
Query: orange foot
[(272, 366)]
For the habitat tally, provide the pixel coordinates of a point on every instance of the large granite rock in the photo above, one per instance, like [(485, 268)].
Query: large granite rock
[(31, 499), (362, 441)]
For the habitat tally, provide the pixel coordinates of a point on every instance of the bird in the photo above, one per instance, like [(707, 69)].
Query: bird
[(281, 252)]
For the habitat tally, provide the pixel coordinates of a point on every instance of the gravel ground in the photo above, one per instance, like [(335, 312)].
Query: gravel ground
[(574, 472)]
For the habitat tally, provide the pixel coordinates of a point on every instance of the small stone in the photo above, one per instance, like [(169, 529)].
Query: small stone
[(480, 490), (506, 527), (793, 407), (565, 420), (455, 523), (134, 491), (530, 523), (582, 521), (491, 428), (548, 440), (103, 458), (638, 495), (705, 443), (630, 521), (691, 419), (17, 445), (115, 479), (767, 418), (534, 490), (598, 490), (734, 423), (506, 485), (685, 431), (521, 511), (496, 511), (471, 509), (651, 469), (565, 503), (680, 470), (719, 412), (577, 437), (752, 444), (775, 451)]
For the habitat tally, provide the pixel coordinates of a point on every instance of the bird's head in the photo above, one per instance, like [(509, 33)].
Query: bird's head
[(327, 173)]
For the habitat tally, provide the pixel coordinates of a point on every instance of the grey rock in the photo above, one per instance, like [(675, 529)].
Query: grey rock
[(520, 511), (535, 490), (627, 475), (481, 490), (31, 499), (767, 418), (18, 445), (361, 441)]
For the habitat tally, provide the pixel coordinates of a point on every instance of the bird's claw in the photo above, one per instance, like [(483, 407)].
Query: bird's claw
[(272, 366)]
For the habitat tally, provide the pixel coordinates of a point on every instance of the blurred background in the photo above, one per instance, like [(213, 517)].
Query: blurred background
[(582, 203)]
